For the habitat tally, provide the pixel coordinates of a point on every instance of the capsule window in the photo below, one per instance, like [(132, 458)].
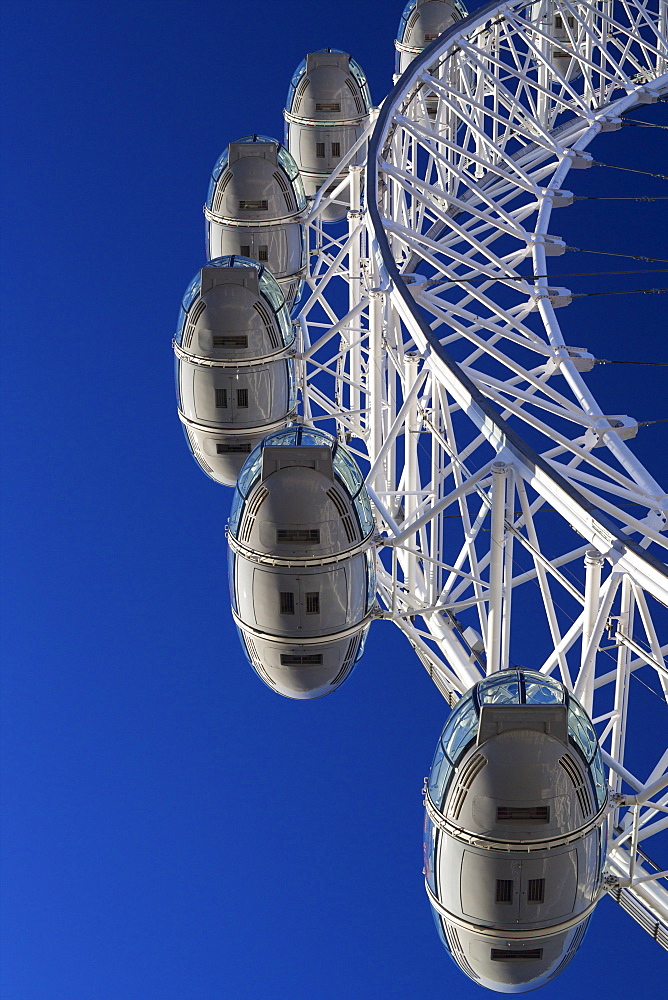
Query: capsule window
[(242, 398), (239, 341), (320, 149), (221, 397), (504, 890), (336, 149), (303, 535), (313, 603), (523, 814), (263, 254), (253, 204), (301, 659), (287, 599), (224, 448), (327, 105), (516, 954), (244, 250), (536, 890)]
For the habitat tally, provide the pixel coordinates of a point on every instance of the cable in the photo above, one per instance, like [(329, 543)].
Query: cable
[(631, 170), (657, 364), (629, 256), (627, 291), (621, 197), (535, 277), (634, 121)]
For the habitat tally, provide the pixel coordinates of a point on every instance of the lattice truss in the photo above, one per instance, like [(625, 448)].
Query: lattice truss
[(430, 336)]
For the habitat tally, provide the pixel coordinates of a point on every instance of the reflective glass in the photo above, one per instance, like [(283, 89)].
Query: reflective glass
[(286, 438), (363, 508), (598, 774), (310, 436), (297, 75), (365, 636), (542, 690), (359, 76), (285, 326), (438, 776), (581, 729), (292, 170), (257, 138), (230, 576), (292, 384), (461, 727), (235, 513), (500, 689), (408, 10), (250, 472), (220, 165), (346, 468), (429, 853), (271, 290), (370, 578)]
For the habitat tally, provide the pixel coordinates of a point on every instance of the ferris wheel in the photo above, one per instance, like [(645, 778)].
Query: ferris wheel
[(501, 489), (428, 340)]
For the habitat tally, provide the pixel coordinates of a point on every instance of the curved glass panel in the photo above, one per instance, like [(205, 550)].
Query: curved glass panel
[(292, 386), (271, 290), (408, 10), (441, 769), (250, 472), (358, 73), (461, 727), (294, 82), (370, 579), (365, 636), (288, 164), (257, 138), (363, 508), (230, 576), (542, 690), (429, 853), (580, 729), (297, 434), (598, 776), (346, 468), (500, 689)]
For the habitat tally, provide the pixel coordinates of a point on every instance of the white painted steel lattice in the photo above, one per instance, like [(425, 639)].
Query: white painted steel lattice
[(431, 336)]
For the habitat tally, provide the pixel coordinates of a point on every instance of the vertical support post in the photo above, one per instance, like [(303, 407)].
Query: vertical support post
[(354, 284), (411, 468), (507, 570), (618, 735), (496, 561), (375, 377), (593, 563)]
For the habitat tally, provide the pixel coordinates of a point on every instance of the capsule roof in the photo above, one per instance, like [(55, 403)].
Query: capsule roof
[(424, 20), (281, 157), (268, 289), (335, 461), (515, 687), (330, 68)]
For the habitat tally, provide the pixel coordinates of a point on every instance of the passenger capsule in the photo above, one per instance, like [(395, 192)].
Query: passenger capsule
[(253, 209), (235, 375), (421, 22), (514, 830), (302, 569), (326, 112)]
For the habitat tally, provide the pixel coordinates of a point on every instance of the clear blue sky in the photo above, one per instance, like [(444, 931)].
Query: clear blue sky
[(172, 829)]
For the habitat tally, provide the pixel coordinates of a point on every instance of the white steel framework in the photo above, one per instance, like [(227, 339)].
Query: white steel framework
[(430, 336)]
